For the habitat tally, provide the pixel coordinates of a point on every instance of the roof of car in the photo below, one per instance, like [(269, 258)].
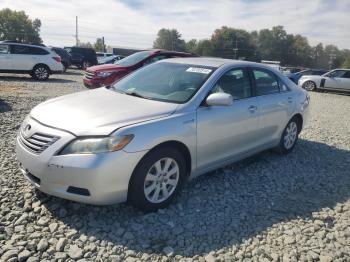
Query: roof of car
[(209, 61)]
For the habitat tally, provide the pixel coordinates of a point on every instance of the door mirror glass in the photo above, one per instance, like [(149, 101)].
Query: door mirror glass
[(219, 99)]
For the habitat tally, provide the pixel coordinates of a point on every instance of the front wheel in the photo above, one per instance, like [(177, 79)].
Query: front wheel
[(309, 86), (157, 179), (289, 136), (40, 72)]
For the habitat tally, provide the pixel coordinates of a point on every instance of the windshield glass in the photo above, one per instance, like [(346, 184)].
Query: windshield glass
[(133, 59), (168, 82)]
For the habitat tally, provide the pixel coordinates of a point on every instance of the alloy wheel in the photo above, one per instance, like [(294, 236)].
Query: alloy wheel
[(309, 86), (290, 135), (161, 180), (41, 73)]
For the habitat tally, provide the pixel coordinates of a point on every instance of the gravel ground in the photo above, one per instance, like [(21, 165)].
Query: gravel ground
[(265, 208)]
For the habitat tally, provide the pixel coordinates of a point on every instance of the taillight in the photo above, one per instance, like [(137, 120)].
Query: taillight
[(57, 59)]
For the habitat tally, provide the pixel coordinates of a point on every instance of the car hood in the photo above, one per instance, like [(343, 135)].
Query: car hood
[(98, 112), (106, 67)]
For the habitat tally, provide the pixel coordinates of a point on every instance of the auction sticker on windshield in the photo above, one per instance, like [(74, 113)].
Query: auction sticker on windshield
[(199, 70)]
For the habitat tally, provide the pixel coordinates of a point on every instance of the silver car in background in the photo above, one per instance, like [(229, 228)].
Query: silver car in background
[(143, 137)]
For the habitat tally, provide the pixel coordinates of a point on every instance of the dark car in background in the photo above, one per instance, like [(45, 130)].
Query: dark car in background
[(65, 57), (110, 59), (82, 57), (104, 75), (296, 76)]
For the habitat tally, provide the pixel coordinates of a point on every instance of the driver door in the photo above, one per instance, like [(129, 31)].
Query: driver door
[(334, 80), (227, 131)]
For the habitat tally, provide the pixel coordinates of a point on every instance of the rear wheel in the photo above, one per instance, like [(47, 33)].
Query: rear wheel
[(40, 72), (309, 85), (157, 179), (289, 136)]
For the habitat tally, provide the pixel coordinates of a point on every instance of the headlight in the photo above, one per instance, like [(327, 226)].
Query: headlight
[(105, 73), (97, 145)]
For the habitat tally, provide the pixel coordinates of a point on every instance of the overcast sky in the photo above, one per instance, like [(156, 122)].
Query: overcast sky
[(135, 23)]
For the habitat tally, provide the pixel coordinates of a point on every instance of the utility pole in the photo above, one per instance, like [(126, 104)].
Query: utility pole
[(76, 31), (103, 43), (236, 48), (332, 56)]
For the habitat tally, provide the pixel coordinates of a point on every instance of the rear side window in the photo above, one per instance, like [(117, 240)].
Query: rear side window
[(4, 49), (266, 82), (28, 50), (37, 51), (234, 82), (347, 74)]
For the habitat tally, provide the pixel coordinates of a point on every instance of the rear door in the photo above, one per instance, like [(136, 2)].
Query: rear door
[(22, 58), (5, 57), (345, 81), (334, 79), (275, 104)]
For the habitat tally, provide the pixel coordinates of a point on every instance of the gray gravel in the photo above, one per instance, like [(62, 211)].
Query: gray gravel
[(265, 208)]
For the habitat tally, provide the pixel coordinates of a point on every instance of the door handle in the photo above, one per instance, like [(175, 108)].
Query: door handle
[(252, 108), (290, 100)]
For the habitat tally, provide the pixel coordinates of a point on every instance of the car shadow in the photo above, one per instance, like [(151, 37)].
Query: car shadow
[(29, 79), (4, 107), (254, 194)]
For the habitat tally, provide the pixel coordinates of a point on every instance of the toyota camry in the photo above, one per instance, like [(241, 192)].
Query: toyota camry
[(143, 137)]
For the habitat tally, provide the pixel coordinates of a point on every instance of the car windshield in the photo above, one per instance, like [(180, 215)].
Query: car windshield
[(168, 82), (133, 59)]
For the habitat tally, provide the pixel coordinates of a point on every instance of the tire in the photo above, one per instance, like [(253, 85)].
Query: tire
[(150, 180), (289, 136), (40, 72), (309, 86), (65, 67), (85, 65)]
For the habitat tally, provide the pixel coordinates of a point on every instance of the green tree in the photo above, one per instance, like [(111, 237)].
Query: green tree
[(85, 44), (169, 39), (99, 46), (17, 26), (233, 43)]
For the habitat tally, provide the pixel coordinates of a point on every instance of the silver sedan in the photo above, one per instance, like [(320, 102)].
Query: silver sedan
[(143, 137)]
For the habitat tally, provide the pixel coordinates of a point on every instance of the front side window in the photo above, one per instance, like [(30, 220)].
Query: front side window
[(234, 82), (168, 82), (133, 59), (265, 82), (4, 49)]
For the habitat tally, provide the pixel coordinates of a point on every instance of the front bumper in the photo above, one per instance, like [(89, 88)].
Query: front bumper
[(90, 83), (104, 176)]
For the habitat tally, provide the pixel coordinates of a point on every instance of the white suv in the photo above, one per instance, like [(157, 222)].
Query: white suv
[(38, 61)]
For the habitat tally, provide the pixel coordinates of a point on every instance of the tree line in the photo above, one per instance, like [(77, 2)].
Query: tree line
[(267, 44), (227, 42)]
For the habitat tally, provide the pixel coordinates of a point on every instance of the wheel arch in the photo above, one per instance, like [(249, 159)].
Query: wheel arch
[(172, 144), (300, 121), (41, 64)]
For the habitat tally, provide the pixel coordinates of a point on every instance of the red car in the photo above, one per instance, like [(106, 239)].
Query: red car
[(104, 75)]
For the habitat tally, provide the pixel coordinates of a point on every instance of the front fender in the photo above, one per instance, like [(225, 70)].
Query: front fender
[(179, 127)]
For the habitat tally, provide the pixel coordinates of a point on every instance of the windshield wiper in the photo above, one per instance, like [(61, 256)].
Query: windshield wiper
[(133, 93)]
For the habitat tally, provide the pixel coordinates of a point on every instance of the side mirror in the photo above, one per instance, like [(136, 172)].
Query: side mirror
[(219, 99)]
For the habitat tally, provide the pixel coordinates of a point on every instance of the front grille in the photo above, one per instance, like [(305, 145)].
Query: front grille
[(89, 75), (37, 142)]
